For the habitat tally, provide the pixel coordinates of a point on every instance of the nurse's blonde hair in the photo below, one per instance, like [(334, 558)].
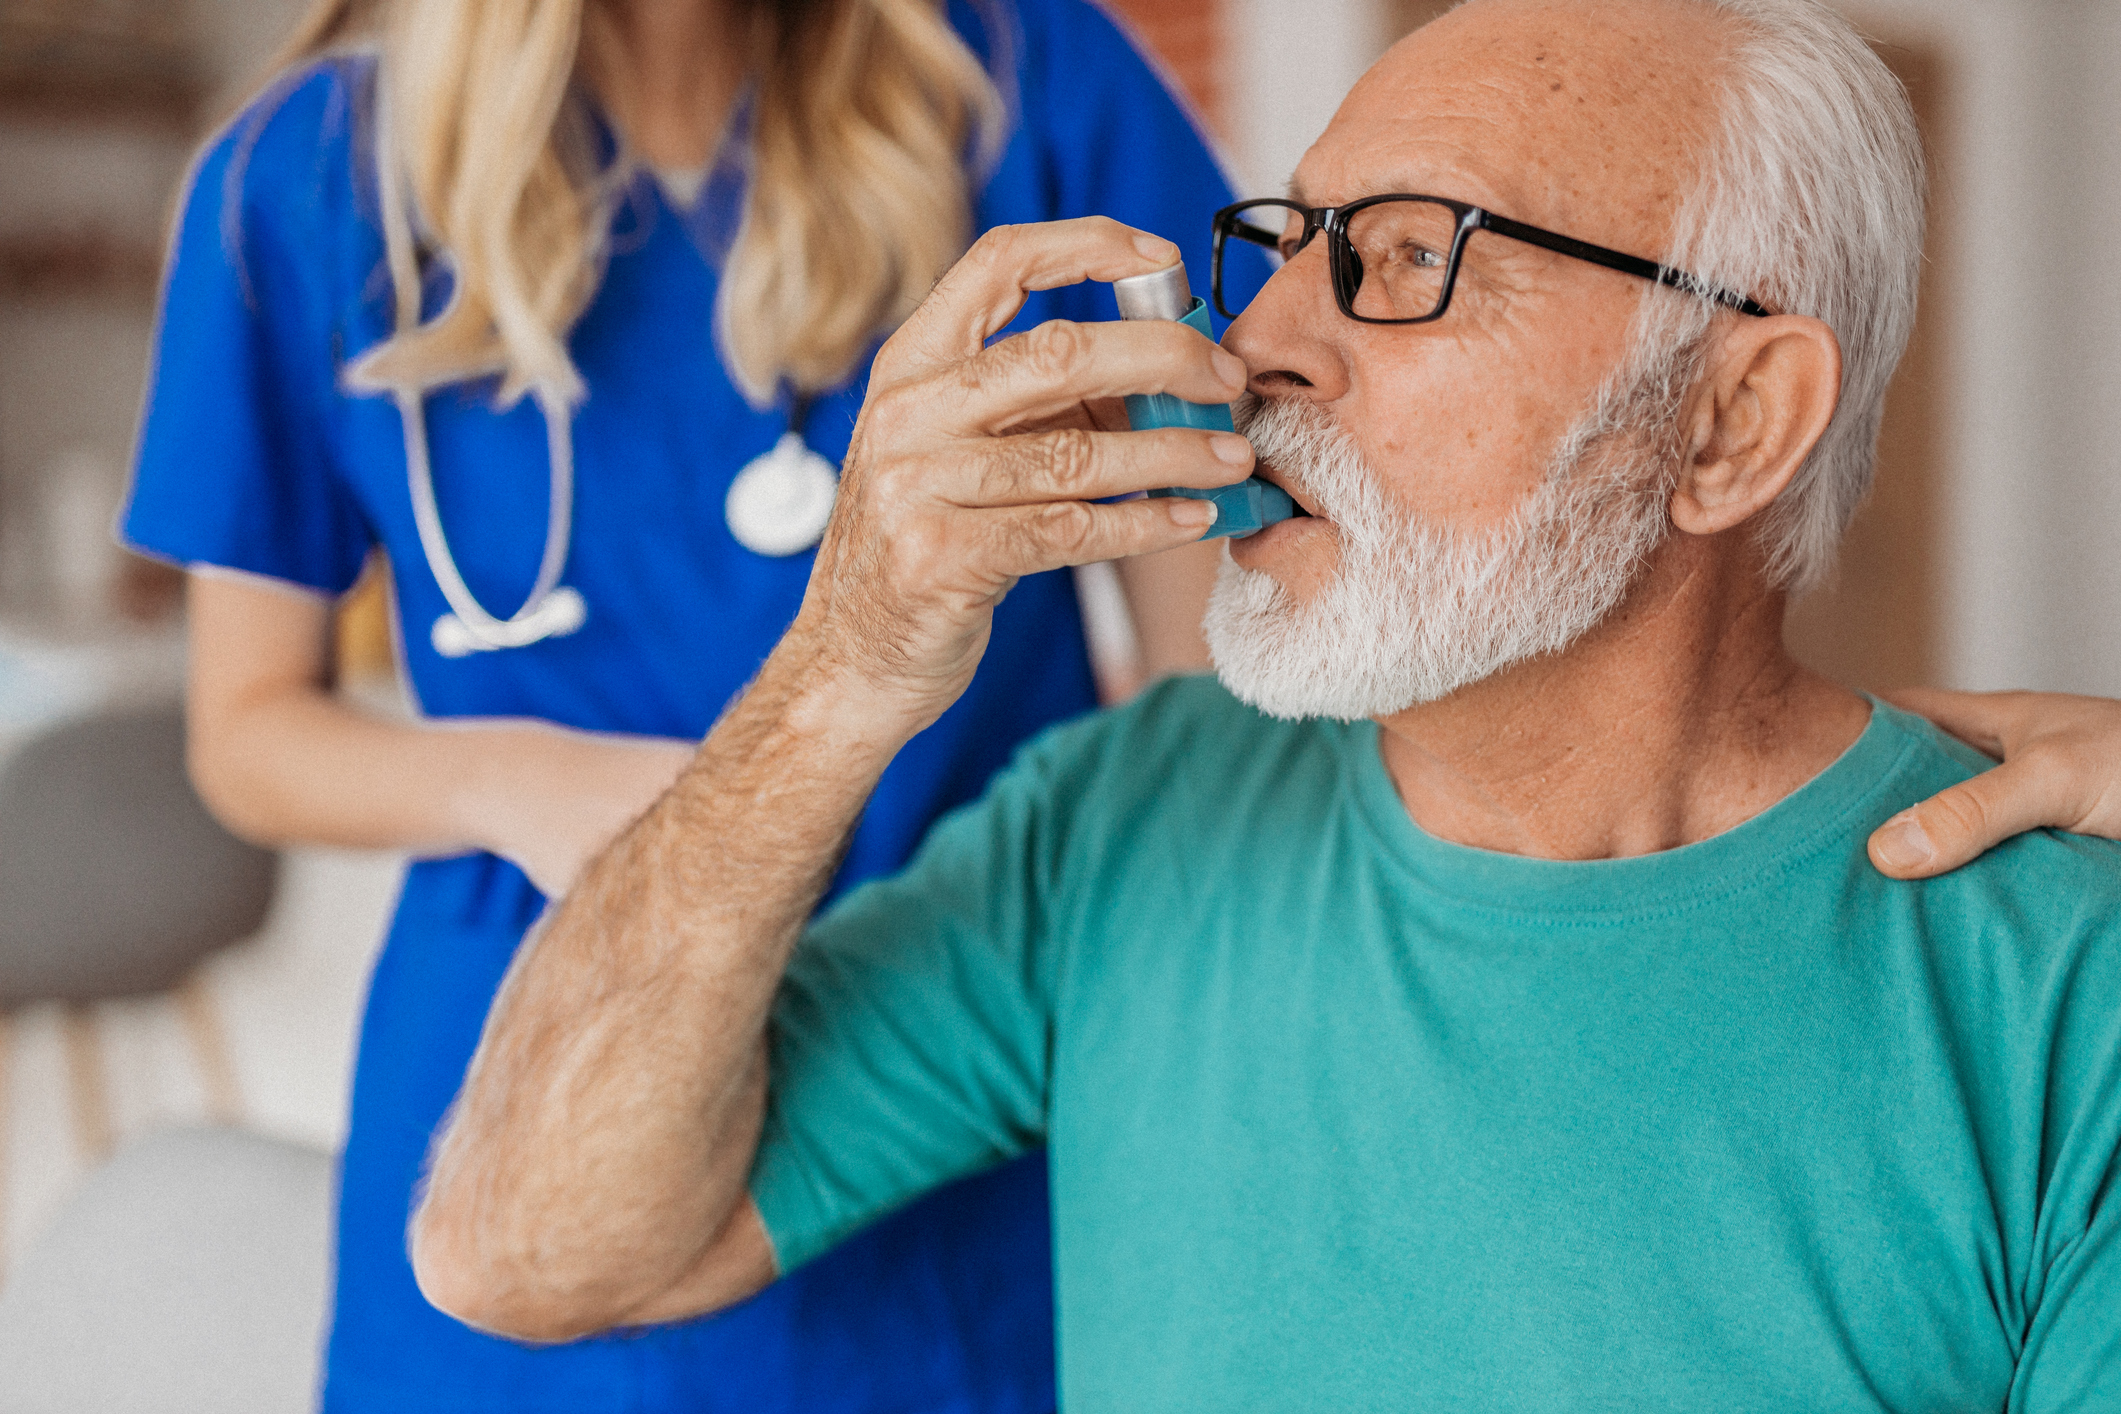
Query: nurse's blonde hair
[(867, 113)]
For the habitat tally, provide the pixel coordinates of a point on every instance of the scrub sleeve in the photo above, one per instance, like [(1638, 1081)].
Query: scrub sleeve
[(254, 458)]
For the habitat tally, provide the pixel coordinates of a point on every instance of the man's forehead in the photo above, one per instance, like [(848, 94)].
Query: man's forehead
[(1579, 112), (1426, 165)]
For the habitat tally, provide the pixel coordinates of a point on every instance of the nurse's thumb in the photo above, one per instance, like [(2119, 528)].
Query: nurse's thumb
[(1963, 821)]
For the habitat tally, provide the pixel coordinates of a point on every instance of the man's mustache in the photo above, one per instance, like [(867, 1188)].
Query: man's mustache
[(1287, 433)]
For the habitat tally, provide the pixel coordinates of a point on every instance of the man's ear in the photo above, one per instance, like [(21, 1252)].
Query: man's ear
[(1770, 391)]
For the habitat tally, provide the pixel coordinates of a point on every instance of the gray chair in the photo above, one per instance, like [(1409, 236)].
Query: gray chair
[(186, 1275), (114, 881)]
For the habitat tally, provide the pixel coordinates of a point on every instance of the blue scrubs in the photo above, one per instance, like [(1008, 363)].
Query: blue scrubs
[(252, 457)]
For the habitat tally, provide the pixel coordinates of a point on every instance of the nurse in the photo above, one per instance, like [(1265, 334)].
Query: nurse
[(567, 308)]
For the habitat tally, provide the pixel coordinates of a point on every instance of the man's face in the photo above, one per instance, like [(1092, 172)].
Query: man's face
[(1585, 118)]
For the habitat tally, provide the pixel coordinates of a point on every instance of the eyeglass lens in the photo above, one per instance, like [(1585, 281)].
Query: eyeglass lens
[(1401, 253)]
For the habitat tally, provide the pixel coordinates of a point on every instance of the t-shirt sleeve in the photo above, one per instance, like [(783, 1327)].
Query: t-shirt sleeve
[(2071, 1359), (2072, 1355), (910, 1043), (234, 465)]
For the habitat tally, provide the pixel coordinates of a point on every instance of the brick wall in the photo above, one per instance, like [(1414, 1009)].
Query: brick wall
[(1187, 36)]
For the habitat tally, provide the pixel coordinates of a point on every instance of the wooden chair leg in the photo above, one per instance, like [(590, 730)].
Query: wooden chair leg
[(209, 1039), (86, 1083), (7, 1118)]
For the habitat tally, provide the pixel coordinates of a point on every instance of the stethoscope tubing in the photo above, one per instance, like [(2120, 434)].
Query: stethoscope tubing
[(549, 610)]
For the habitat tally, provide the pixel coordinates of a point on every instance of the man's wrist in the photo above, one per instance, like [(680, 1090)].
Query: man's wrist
[(823, 702)]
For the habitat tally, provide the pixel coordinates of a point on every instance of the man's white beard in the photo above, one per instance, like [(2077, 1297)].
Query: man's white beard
[(1419, 611)]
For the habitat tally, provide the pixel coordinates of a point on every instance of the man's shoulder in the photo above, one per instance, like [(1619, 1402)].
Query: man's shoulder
[(2018, 955), (2047, 896)]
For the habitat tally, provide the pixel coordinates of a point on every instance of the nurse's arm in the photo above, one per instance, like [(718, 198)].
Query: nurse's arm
[(1167, 597), (281, 759), (594, 1171)]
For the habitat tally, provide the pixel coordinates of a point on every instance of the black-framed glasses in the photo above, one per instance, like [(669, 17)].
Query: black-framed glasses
[(1395, 258)]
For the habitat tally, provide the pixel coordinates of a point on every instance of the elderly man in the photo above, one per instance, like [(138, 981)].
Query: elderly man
[(1478, 1000)]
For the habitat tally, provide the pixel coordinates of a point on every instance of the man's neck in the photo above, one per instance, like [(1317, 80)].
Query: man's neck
[(1678, 718)]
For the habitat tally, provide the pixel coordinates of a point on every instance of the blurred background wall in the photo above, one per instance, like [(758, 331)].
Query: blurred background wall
[(101, 102)]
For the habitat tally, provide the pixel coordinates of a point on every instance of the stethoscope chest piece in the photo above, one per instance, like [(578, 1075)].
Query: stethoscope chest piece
[(779, 503)]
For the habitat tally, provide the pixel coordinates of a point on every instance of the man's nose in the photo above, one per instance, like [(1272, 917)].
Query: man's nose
[(1287, 333)]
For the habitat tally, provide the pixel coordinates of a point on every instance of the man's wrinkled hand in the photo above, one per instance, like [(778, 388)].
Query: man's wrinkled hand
[(2061, 768), (972, 465)]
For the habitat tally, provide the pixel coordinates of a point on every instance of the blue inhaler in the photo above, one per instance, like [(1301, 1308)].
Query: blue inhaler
[(1251, 505)]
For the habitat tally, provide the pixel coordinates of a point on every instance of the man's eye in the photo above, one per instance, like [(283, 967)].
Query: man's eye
[(1424, 257)]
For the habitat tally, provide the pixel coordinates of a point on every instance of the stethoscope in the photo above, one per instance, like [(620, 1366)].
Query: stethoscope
[(777, 506)]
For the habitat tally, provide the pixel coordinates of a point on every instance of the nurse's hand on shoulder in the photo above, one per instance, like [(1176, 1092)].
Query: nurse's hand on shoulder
[(570, 795), (973, 465), (2061, 768)]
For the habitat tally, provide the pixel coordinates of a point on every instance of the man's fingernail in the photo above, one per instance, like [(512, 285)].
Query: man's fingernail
[(1231, 369), (1156, 247), (1192, 513), (1904, 844), (1230, 447)]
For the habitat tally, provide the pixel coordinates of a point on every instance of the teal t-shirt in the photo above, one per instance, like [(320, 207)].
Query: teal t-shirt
[(1344, 1117)]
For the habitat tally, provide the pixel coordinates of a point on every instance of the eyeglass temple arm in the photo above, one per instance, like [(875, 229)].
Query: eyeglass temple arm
[(1627, 264), (1258, 237)]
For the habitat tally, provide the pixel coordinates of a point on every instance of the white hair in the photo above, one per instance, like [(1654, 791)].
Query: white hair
[(1810, 201), (1418, 610)]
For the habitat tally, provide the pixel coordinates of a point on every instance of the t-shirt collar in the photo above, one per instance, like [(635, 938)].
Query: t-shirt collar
[(1833, 811)]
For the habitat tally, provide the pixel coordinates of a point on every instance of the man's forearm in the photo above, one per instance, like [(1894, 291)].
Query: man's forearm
[(604, 1135), (594, 1173)]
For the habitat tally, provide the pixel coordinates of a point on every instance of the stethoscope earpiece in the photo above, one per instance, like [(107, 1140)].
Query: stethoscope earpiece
[(555, 616)]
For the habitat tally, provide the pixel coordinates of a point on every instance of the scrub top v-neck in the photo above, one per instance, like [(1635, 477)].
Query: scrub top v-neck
[(253, 458)]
